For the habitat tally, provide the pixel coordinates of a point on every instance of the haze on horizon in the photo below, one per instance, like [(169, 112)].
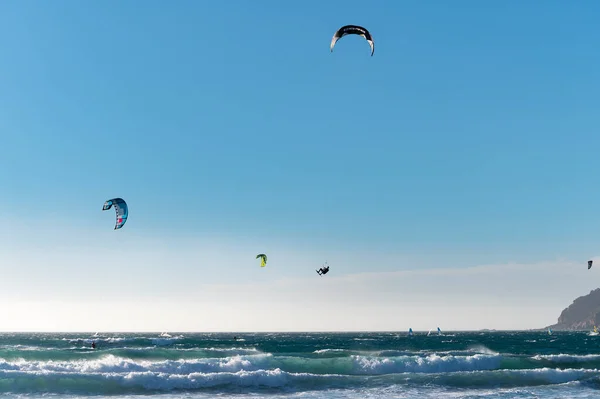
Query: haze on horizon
[(449, 180)]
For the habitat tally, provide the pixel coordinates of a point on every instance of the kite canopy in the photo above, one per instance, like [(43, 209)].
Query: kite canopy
[(263, 259), (353, 30), (120, 208), (590, 264)]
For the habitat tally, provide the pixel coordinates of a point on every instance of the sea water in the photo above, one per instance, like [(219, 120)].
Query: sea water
[(491, 365)]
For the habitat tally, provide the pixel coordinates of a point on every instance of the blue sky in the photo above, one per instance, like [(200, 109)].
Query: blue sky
[(469, 138)]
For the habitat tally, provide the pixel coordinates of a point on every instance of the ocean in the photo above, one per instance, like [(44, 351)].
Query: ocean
[(459, 365)]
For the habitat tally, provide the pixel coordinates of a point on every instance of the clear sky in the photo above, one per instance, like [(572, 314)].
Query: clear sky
[(451, 179)]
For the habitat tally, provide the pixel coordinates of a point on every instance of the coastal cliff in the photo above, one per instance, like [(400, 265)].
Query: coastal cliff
[(582, 314)]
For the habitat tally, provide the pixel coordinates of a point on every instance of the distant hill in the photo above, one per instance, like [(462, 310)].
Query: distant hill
[(582, 314)]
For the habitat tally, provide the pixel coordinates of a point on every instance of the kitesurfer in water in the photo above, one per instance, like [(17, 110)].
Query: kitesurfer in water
[(323, 270), (93, 345)]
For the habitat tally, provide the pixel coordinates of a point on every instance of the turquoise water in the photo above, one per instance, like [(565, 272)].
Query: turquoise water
[(491, 365)]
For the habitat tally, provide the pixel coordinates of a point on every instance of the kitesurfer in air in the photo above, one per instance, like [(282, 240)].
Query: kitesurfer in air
[(323, 270)]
